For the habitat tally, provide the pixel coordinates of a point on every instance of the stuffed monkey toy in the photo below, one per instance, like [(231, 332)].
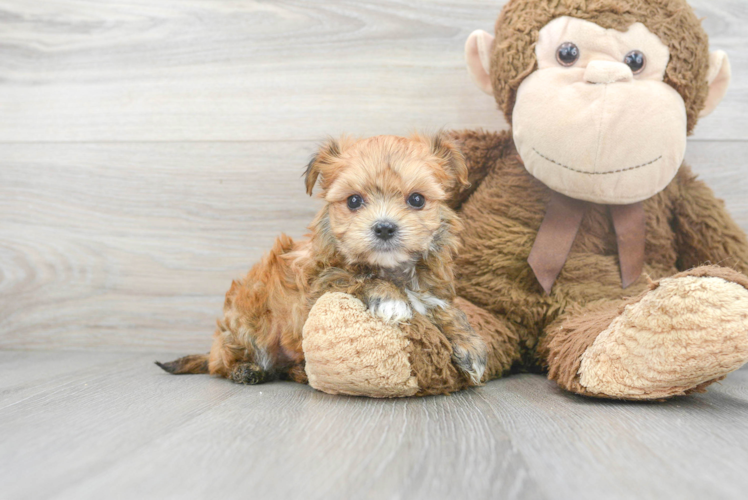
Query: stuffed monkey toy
[(590, 251)]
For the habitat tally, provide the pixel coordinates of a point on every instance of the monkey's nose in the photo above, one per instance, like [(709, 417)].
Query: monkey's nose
[(607, 72), (384, 230)]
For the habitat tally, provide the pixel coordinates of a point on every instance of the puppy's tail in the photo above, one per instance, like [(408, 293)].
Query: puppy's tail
[(194, 363)]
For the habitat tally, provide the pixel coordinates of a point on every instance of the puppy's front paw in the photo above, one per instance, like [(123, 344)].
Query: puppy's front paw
[(390, 310), (471, 358)]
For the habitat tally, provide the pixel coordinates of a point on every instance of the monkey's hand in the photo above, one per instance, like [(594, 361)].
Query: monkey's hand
[(348, 350)]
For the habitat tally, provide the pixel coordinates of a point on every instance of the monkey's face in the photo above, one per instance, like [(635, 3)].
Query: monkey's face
[(595, 121), (600, 114)]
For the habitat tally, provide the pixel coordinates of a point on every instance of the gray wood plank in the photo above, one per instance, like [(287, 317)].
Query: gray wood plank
[(693, 447), (24, 374), (85, 70), (50, 439), (127, 240), (128, 430), (724, 166), (132, 246)]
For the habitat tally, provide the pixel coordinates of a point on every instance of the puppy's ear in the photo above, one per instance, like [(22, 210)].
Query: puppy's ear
[(327, 153), (311, 173), (454, 162)]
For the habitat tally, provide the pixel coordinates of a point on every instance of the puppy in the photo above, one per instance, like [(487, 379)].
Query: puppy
[(385, 235)]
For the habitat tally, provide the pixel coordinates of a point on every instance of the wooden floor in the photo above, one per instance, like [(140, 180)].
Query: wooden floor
[(150, 152), (112, 425)]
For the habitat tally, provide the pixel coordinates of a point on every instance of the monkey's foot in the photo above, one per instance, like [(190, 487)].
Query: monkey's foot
[(350, 351), (680, 336)]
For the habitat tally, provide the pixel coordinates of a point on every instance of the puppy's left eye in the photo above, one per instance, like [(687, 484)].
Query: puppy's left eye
[(416, 200), (355, 201)]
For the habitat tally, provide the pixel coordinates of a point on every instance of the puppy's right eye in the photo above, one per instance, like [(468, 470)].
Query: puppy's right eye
[(416, 200), (355, 201)]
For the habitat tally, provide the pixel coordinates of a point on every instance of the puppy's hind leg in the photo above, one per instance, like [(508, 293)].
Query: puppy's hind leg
[(249, 374), (253, 373), (240, 363), (296, 373)]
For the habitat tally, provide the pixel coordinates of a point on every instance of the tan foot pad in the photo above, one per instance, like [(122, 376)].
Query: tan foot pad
[(349, 351), (686, 332)]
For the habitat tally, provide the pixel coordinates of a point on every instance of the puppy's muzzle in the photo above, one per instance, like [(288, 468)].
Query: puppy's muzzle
[(384, 230)]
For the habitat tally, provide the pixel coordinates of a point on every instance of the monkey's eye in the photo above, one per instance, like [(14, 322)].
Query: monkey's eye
[(567, 54), (416, 200), (636, 61), (355, 201)]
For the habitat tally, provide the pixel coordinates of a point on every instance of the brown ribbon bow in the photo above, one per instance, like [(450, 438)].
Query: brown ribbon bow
[(559, 228)]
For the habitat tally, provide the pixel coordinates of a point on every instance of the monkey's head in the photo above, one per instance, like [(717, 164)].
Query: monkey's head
[(601, 94)]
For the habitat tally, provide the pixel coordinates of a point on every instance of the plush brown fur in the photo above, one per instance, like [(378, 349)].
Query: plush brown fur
[(431, 360), (432, 354), (672, 20), (260, 335), (570, 335), (686, 227), (498, 334), (502, 209)]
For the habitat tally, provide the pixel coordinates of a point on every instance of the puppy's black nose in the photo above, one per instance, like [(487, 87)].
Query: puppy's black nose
[(384, 230)]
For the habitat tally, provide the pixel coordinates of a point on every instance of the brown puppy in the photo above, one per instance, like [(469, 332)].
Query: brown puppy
[(385, 235)]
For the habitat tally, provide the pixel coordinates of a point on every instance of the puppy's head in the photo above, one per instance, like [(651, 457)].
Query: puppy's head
[(386, 196)]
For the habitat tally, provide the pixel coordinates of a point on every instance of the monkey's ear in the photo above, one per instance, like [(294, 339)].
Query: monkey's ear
[(478, 50), (454, 161), (328, 152), (718, 79)]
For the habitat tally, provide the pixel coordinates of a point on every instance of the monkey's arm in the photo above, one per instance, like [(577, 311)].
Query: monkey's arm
[(482, 150), (705, 231)]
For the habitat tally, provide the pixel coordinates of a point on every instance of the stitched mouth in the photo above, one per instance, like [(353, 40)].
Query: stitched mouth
[(596, 173)]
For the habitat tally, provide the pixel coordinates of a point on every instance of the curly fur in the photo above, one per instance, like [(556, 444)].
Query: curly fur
[(686, 227), (673, 21), (260, 334)]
